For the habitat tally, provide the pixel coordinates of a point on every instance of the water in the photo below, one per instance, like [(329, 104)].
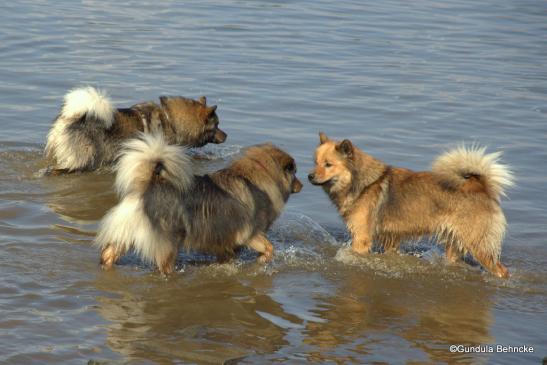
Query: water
[(403, 80)]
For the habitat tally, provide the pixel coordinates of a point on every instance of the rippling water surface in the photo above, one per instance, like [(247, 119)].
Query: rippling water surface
[(405, 80)]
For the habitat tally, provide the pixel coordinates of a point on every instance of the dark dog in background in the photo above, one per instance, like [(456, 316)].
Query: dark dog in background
[(164, 206), (457, 202), (89, 131)]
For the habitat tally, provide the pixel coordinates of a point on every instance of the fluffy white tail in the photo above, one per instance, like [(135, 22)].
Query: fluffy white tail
[(90, 101), (145, 159), (458, 165), (75, 149), (127, 227)]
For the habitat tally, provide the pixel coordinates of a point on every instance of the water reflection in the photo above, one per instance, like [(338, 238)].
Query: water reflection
[(365, 310), (199, 318), (307, 306), (85, 197), (80, 198), (211, 314)]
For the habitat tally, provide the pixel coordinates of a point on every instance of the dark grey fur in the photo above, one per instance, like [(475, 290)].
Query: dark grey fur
[(209, 216), (83, 142)]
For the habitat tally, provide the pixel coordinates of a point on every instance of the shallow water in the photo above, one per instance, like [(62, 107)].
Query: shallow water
[(404, 81)]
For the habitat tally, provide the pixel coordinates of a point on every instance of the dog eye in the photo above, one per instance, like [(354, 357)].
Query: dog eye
[(290, 167), (328, 164)]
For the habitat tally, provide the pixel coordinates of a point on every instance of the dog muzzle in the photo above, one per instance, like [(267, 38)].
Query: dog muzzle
[(219, 137), (296, 186)]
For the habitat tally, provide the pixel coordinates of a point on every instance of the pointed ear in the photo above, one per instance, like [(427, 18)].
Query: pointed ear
[(163, 100), (207, 112), (345, 148), (211, 109), (323, 138), (203, 100)]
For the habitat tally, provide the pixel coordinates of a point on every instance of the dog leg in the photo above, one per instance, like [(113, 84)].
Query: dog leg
[(501, 271), (361, 246), (359, 227), (453, 254), (262, 245), (497, 269), (361, 241), (494, 266), (109, 256), (166, 265)]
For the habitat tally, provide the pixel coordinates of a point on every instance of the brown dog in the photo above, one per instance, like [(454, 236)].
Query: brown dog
[(164, 206), (458, 202), (89, 131)]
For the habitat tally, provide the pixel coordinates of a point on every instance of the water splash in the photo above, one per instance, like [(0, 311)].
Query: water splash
[(298, 241), (215, 151), (301, 242)]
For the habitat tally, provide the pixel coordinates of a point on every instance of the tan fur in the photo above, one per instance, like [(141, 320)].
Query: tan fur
[(263, 245), (109, 256), (167, 264), (89, 131), (457, 204), (164, 206)]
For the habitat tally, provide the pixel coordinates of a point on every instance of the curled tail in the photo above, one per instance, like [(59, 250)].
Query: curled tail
[(458, 166), (149, 159), (144, 162), (90, 102), (77, 134)]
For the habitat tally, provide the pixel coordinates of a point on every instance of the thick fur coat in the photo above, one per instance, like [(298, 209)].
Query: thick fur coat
[(89, 131), (457, 202), (164, 206)]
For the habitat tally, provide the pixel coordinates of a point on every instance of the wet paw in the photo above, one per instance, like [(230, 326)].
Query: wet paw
[(360, 250), (105, 266), (264, 258)]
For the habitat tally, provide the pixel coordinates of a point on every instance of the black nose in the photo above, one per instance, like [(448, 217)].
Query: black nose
[(311, 177)]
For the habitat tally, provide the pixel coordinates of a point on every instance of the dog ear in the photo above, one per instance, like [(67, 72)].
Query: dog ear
[(211, 109), (203, 100), (163, 100), (207, 112), (323, 138), (345, 148)]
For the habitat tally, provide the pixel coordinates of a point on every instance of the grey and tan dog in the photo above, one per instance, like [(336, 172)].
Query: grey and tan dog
[(164, 206), (89, 131), (457, 202)]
